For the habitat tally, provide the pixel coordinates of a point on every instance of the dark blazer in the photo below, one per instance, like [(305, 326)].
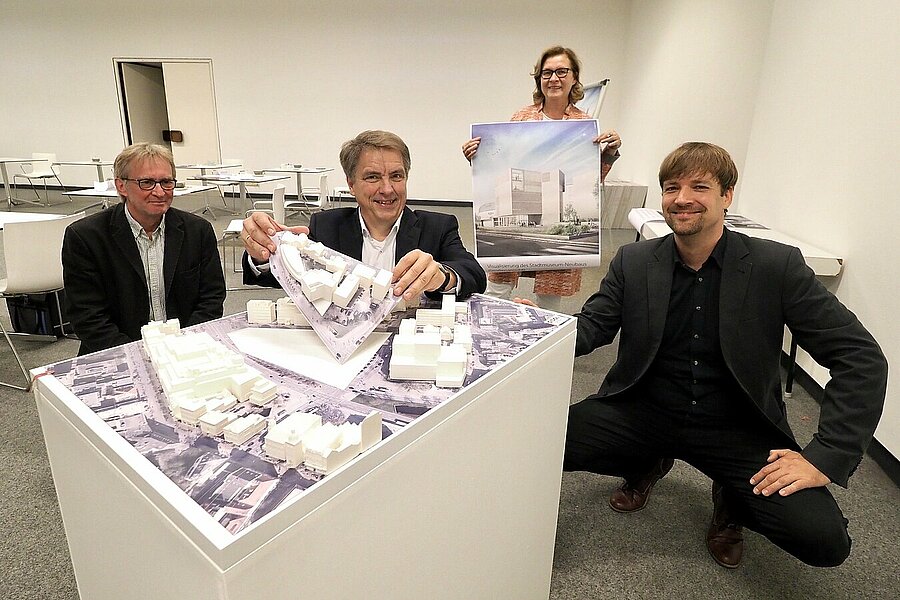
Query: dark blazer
[(765, 286), (106, 291), (434, 233)]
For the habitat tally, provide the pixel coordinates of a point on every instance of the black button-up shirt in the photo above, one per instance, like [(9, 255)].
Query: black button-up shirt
[(689, 370)]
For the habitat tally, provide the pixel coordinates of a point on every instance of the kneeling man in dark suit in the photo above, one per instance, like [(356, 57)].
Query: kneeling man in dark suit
[(700, 316), (140, 260), (422, 248)]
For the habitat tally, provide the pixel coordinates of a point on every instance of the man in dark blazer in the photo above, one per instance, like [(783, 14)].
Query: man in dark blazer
[(700, 316), (140, 260), (422, 248)]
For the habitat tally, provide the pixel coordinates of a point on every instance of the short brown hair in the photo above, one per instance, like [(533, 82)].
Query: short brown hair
[(577, 91), (351, 149), (697, 158), (138, 152)]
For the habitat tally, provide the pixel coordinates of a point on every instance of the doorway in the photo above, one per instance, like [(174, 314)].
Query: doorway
[(170, 102)]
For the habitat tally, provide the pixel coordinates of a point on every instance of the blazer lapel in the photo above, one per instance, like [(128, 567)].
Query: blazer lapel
[(350, 236), (121, 233), (174, 240), (659, 287), (408, 235), (735, 281)]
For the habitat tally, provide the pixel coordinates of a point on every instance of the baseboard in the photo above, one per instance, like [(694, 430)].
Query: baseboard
[(889, 463)]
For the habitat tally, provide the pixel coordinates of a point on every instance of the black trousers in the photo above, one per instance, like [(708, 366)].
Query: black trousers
[(726, 439)]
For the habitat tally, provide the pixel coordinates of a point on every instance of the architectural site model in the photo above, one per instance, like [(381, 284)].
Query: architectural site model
[(342, 298), (203, 381), (246, 452)]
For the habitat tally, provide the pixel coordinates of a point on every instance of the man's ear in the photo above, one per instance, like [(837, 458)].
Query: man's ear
[(729, 196), (120, 187)]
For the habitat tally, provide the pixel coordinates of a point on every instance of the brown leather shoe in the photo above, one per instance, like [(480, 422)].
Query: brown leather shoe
[(724, 539), (632, 495)]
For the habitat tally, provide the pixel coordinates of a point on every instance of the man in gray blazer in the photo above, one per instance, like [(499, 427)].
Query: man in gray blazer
[(422, 248), (701, 315), (140, 260)]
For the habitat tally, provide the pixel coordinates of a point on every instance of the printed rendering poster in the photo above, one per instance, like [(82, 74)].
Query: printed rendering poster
[(536, 195)]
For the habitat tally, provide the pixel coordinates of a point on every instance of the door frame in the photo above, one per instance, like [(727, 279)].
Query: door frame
[(158, 61)]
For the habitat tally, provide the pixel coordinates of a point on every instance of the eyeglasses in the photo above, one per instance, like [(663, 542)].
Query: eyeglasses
[(561, 73), (148, 184)]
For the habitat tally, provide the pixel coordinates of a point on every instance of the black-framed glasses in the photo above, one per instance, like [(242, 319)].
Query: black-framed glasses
[(561, 73), (148, 184)]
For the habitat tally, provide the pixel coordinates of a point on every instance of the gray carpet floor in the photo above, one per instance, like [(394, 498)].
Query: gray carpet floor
[(657, 553)]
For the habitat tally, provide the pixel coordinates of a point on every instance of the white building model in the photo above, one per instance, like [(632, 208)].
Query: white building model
[(302, 438), (202, 378), (282, 311), (432, 346), (330, 284)]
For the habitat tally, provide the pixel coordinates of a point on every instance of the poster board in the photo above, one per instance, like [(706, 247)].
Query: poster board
[(536, 195)]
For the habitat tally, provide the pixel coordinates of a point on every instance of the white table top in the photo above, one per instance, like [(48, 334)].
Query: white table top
[(11, 217), (235, 226), (301, 170), (93, 193), (239, 178), (209, 166), (86, 163), (5, 159), (651, 224)]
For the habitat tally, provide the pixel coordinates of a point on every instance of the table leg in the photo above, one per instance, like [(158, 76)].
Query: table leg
[(6, 185)]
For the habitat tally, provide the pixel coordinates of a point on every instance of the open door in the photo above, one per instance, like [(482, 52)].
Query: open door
[(170, 102)]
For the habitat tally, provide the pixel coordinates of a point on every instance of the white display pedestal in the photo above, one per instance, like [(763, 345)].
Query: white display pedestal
[(462, 503)]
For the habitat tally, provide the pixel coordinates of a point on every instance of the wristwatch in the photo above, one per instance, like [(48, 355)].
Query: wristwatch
[(447, 277)]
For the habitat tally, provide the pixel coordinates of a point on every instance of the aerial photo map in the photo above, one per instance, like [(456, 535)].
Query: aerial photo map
[(239, 484)]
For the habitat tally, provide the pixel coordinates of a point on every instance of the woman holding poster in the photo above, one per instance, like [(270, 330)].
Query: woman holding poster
[(557, 87)]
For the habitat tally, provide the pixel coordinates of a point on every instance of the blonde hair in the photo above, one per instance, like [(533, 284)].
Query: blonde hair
[(139, 152)]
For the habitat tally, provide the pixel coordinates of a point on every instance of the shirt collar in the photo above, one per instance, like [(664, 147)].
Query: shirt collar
[(137, 229), (717, 255), (368, 235)]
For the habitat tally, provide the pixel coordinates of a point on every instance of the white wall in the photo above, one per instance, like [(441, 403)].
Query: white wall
[(802, 93), (296, 79), (692, 74), (823, 155)]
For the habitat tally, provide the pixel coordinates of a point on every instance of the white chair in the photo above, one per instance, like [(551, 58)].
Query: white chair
[(309, 199), (31, 250), (42, 168), (274, 207)]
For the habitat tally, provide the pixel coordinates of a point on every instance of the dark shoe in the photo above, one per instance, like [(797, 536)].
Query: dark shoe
[(724, 539), (632, 495)]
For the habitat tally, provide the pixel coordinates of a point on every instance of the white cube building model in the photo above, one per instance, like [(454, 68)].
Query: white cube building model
[(242, 429), (199, 374), (282, 311), (432, 346), (331, 285), (302, 437)]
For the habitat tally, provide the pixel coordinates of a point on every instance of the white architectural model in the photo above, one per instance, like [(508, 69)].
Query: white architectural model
[(282, 311), (199, 374), (302, 438), (432, 346), (203, 380), (331, 284)]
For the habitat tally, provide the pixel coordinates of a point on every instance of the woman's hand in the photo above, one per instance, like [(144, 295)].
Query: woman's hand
[(470, 148), (611, 140)]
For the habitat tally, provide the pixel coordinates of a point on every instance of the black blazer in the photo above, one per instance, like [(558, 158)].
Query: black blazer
[(765, 287), (431, 232), (106, 291)]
